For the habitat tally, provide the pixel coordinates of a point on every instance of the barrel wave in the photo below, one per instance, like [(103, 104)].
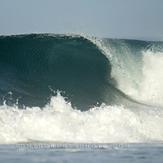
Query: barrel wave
[(34, 67), (75, 88)]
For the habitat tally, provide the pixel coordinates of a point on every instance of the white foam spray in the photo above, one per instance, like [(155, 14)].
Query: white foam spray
[(140, 77), (59, 122), (151, 86)]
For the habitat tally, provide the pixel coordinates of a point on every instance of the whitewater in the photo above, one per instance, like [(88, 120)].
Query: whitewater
[(127, 109)]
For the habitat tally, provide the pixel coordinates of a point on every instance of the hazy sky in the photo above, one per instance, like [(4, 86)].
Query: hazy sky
[(141, 19)]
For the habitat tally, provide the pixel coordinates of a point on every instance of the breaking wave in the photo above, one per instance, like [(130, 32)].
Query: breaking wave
[(73, 88)]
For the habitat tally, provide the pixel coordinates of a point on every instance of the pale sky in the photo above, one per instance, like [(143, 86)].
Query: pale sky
[(136, 19)]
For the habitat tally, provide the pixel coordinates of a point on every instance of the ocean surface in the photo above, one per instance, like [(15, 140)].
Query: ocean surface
[(76, 98), (88, 153)]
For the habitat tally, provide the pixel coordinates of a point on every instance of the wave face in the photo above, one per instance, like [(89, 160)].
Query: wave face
[(47, 81), (33, 65)]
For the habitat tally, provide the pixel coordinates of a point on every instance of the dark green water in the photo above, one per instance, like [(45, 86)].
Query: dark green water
[(34, 67), (31, 66)]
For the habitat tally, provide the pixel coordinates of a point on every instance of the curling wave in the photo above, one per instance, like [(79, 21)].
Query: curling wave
[(32, 66), (47, 81)]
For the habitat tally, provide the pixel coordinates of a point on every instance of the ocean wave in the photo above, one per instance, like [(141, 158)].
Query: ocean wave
[(75, 88)]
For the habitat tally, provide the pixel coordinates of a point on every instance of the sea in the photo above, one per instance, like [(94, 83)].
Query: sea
[(77, 98)]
